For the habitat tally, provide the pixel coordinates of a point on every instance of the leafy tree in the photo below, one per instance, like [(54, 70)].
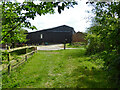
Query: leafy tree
[(15, 15), (104, 35), (16, 36)]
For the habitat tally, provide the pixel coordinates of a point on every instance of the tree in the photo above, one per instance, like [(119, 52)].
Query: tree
[(106, 25), (105, 32), (14, 15)]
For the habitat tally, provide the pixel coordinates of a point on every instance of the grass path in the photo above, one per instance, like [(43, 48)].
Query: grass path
[(58, 69)]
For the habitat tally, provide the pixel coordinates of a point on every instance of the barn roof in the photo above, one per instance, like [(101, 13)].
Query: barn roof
[(50, 29)]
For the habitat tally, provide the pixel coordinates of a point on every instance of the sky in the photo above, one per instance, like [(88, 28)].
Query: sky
[(74, 17)]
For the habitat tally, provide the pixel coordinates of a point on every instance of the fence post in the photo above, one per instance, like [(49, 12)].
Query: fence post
[(9, 61), (65, 44), (36, 49), (32, 53), (25, 57), (32, 48), (26, 53)]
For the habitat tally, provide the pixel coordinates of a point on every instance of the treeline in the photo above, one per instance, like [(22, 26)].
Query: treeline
[(104, 36)]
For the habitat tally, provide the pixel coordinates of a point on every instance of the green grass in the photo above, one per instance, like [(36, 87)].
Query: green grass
[(59, 69), (76, 45)]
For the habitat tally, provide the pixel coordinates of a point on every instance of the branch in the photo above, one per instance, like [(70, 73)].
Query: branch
[(13, 28)]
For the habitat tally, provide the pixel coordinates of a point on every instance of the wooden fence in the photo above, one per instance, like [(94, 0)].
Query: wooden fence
[(8, 64)]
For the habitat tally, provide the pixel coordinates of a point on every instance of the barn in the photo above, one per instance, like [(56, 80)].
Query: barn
[(56, 35)]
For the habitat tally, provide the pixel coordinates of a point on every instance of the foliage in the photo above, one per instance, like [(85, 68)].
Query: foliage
[(104, 35), (76, 45), (15, 15), (59, 69), (16, 36), (15, 54), (94, 43)]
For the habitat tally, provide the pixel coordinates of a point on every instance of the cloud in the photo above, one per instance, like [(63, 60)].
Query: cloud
[(74, 17)]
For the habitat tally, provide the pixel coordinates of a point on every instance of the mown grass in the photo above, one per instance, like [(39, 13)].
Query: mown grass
[(59, 69)]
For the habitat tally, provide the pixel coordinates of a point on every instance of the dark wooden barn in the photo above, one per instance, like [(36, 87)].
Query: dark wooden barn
[(54, 35)]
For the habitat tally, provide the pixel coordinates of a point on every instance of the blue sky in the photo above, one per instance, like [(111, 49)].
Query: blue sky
[(74, 17)]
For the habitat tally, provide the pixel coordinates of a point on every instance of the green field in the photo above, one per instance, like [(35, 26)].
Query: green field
[(59, 69)]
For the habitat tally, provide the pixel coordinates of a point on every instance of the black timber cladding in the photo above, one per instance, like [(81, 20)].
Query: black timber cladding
[(53, 35)]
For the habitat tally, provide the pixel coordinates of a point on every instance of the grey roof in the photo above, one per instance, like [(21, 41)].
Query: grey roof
[(49, 29)]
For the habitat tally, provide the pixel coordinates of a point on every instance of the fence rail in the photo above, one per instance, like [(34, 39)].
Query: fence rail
[(8, 64)]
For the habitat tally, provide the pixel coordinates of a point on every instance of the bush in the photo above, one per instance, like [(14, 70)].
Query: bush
[(76, 45)]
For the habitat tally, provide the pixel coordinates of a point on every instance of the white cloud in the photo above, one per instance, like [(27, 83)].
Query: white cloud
[(74, 17)]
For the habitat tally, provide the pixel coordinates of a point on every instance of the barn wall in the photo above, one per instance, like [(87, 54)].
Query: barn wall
[(54, 35), (57, 37), (34, 38)]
